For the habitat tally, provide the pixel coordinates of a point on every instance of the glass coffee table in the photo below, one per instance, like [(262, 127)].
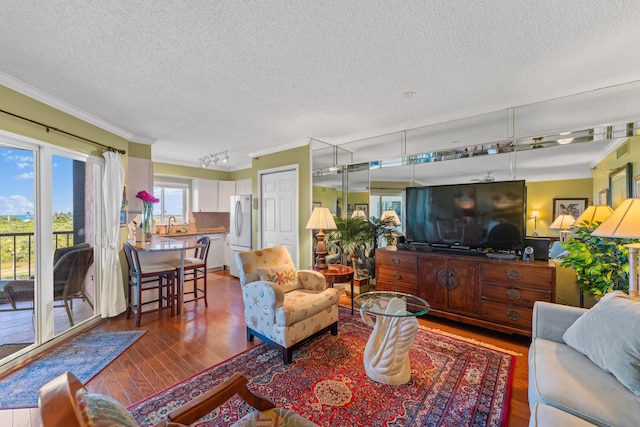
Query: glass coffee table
[(386, 356)]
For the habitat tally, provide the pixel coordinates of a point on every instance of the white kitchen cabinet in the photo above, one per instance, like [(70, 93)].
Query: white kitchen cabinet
[(215, 258), (140, 178), (228, 256), (205, 195), (243, 186), (226, 189)]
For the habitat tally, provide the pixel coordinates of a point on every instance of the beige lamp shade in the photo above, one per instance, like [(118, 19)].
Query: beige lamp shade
[(535, 214), (390, 217), (623, 223), (321, 219), (594, 213), (562, 222), (359, 213)]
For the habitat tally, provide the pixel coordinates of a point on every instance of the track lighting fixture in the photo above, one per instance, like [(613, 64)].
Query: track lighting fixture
[(213, 159)]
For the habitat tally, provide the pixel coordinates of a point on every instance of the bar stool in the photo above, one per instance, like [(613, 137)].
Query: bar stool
[(157, 277), (195, 268)]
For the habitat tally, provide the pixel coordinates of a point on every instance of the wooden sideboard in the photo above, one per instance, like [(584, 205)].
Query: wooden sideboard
[(493, 293)]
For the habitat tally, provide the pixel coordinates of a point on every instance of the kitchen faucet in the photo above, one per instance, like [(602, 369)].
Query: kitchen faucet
[(169, 226)]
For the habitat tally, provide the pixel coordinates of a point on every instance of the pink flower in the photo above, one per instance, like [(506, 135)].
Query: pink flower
[(146, 197)]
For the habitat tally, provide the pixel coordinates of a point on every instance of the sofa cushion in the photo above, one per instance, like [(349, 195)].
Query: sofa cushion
[(608, 334), (302, 303), (284, 276), (560, 376), (548, 416)]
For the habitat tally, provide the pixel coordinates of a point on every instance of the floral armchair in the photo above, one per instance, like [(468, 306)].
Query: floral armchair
[(282, 305)]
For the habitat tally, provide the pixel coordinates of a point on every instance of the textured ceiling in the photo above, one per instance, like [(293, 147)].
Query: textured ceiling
[(201, 77)]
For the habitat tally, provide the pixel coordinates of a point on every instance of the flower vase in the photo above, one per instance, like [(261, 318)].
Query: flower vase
[(147, 219)]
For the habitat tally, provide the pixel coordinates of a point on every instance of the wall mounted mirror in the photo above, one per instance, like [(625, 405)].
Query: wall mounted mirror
[(559, 139)]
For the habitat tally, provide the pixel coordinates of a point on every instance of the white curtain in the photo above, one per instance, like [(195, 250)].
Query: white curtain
[(112, 301)]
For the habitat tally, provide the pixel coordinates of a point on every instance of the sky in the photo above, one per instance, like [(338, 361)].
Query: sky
[(17, 185), (17, 182)]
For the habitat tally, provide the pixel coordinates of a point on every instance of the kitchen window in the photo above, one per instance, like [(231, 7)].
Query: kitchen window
[(174, 201)]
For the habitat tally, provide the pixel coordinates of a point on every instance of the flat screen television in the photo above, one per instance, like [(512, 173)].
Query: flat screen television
[(487, 215)]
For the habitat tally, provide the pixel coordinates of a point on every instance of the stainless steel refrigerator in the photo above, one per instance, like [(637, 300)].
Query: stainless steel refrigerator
[(239, 229)]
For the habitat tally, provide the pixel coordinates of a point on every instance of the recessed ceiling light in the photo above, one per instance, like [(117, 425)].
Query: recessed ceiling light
[(408, 94)]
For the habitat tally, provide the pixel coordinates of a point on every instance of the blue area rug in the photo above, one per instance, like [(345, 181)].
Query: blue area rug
[(85, 355)]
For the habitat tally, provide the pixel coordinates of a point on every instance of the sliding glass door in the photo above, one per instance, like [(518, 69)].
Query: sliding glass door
[(73, 221), (49, 219), (17, 249)]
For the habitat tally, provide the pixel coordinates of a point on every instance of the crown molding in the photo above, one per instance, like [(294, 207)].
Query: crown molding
[(142, 140), (197, 165), (50, 100), (283, 147), (610, 148)]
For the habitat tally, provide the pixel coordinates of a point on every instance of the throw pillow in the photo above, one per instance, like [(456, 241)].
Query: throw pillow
[(101, 411), (284, 276), (608, 334)]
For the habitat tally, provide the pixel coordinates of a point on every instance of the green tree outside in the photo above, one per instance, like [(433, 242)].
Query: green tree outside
[(24, 245)]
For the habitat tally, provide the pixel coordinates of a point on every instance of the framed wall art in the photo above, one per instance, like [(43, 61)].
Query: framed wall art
[(362, 206), (620, 185), (574, 206)]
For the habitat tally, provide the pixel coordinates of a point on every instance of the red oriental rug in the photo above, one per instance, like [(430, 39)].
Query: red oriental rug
[(453, 383)]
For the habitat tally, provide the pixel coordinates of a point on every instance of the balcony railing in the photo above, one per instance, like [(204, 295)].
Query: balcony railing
[(16, 252)]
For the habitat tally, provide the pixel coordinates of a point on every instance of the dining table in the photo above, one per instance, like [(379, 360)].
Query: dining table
[(161, 246)]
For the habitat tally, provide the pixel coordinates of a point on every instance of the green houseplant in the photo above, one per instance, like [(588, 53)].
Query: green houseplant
[(358, 239), (351, 234), (601, 263)]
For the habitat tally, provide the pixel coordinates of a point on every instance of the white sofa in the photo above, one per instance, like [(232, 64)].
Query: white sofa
[(565, 387)]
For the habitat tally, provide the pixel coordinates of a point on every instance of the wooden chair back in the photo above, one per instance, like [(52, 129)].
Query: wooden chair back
[(203, 252), (57, 402)]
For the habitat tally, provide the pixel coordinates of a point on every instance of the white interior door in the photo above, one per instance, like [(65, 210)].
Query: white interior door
[(279, 210)]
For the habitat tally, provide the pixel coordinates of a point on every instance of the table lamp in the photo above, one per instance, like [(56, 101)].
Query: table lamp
[(321, 219), (359, 214), (624, 223), (390, 219), (535, 214), (593, 213), (562, 223)]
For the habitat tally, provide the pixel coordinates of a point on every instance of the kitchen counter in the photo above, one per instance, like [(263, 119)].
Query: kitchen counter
[(199, 232)]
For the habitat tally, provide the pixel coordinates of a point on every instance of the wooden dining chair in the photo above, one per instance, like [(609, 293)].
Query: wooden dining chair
[(157, 278), (195, 269)]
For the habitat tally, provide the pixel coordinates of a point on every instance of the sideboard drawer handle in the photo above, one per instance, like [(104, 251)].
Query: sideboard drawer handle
[(396, 260), (513, 294), (396, 275), (513, 314), (447, 279), (514, 274)]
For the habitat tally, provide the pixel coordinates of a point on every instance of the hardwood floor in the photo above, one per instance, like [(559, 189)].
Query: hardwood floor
[(174, 349)]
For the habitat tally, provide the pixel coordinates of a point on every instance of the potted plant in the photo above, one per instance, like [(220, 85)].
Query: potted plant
[(350, 234), (601, 263)]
